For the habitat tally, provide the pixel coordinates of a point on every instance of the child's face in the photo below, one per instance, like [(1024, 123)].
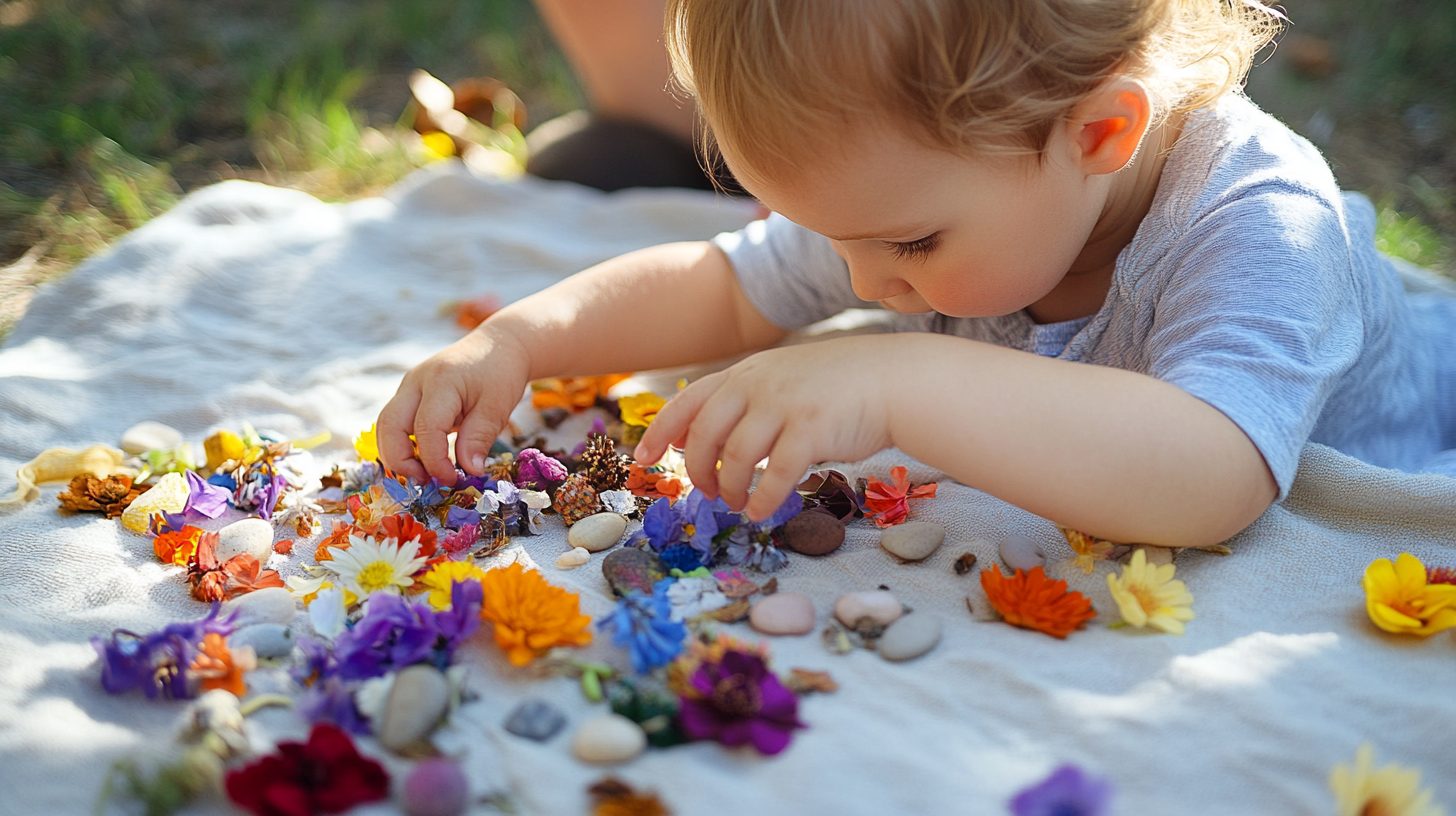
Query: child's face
[(923, 229)]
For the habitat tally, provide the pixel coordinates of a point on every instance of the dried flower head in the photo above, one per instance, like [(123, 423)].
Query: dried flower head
[(89, 494)]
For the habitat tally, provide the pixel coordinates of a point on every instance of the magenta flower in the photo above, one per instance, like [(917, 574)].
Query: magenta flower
[(537, 471), (737, 700)]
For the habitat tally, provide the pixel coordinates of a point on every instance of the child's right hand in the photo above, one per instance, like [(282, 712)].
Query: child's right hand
[(472, 386)]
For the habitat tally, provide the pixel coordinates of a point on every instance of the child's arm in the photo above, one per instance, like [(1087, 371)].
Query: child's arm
[(1116, 454), (663, 306)]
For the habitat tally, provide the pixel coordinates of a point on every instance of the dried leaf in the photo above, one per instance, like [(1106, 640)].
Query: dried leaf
[(811, 681), (91, 494), (732, 613)]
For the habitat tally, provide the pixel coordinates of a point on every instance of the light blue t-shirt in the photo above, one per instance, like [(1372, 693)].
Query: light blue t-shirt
[(1253, 284)]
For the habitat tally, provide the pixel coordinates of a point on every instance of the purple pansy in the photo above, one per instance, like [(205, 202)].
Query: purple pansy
[(157, 663), (394, 633), (1067, 792), (693, 520), (736, 700), (751, 544)]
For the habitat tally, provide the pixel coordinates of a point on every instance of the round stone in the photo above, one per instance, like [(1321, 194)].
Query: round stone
[(251, 536), (535, 719), (145, 436), (168, 495), (813, 532), (267, 605), (417, 700), (877, 604), (783, 613), (573, 558), (607, 739), (629, 568), (913, 540), (598, 532), (909, 637), (1021, 553), (269, 640)]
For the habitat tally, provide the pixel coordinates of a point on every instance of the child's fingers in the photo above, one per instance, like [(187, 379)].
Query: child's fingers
[(433, 421), (393, 429), (472, 443), (786, 466), (750, 441), (709, 429), (671, 422)]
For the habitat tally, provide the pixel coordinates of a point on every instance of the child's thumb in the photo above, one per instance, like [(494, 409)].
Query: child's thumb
[(473, 442)]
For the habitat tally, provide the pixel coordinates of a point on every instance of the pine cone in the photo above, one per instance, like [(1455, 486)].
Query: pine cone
[(576, 499), (604, 467)]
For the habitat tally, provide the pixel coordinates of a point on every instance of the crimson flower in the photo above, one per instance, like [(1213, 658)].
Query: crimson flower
[(324, 775)]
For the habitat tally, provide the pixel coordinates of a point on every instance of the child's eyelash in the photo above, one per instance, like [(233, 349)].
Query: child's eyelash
[(915, 250)]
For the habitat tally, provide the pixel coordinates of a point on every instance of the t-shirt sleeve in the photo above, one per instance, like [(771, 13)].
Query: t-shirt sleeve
[(1260, 316), (793, 276)]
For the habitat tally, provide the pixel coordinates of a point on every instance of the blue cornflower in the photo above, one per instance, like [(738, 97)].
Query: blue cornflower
[(643, 625)]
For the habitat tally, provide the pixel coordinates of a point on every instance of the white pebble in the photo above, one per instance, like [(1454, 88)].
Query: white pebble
[(913, 540), (909, 637), (417, 700), (877, 604), (598, 532), (573, 558), (783, 613), (607, 739), (252, 536), (268, 605), (149, 435), (1021, 553)]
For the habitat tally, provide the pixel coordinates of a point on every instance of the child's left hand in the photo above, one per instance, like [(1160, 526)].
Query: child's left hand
[(797, 405)]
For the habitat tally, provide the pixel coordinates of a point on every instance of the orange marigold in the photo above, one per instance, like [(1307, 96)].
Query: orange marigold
[(1031, 600), (220, 668), (572, 393), (530, 615), (177, 546)]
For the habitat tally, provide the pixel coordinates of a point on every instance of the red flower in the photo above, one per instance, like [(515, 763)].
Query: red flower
[(403, 527), (889, 504), (325, 775)]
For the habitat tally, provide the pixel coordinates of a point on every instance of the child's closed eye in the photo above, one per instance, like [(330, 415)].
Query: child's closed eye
[(916, 250)]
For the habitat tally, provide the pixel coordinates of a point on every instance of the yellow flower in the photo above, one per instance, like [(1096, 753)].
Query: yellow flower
[(1147, 595), (1388, 791), (370, 566), (530, 615), (1087, 549), (367, 445), (640, 409), (442, 577), (1399, 599)]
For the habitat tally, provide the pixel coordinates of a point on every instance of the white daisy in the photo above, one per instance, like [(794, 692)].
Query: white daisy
[(370, 566)]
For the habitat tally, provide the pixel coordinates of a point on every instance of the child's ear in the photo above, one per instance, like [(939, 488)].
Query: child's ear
[(1108, 125)]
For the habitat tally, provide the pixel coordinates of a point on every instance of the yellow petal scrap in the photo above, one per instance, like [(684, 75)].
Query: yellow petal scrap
[(640, 409), (1361, 790), (366, 444), (1086, 549), (1399, 599), (1148, 596)]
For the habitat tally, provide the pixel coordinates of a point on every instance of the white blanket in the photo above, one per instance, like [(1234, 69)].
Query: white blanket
[(249, 303)]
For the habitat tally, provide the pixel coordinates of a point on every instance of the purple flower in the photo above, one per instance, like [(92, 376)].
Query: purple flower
[(643, 625), (394, 633), (751, 544), (204, 498), (736, 700), (537, 471), (456, 624), (693, 520), (464, 480), (332, 701), (157, 663), (1067, 792), (164, 522), (458, 518)]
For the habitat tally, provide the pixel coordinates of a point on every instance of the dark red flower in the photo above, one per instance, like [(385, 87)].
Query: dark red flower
[(324, 775)]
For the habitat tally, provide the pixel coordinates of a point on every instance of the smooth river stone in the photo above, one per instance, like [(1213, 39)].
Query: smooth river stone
[(252, 536), (783, 613), (813, 532), (168, 495), (572, 558), (598, 532), (630, 568), (269, 640), (535, 719), (417, 700), (149, 435), (909, 637), (607, 739), (876, 604), (268, 605), (1021, 553), (913, 540)]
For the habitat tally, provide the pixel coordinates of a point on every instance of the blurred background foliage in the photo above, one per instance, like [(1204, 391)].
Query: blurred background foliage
[(110, 110)]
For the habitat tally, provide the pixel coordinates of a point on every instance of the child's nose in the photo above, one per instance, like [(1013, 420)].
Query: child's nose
[(870, 286)]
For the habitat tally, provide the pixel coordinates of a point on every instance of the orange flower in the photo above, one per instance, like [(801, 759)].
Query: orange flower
[(1033, 601), (339, 537), (220, 668), (370, 509), (177, 546), (651, 484), (572, 393), (530, 616), (403, 527), (889, 504)]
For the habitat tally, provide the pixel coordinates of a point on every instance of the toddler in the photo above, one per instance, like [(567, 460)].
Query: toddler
[(1125, 297)]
